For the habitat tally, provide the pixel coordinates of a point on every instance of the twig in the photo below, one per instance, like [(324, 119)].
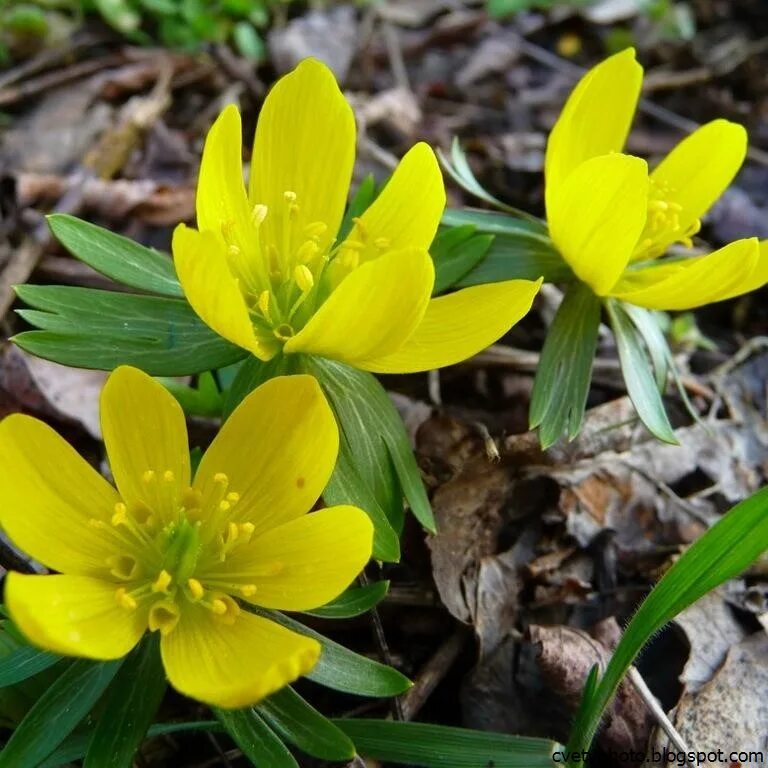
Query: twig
[(395, 53), (432, 673), (653, 704), (433, 386), (20, 266)]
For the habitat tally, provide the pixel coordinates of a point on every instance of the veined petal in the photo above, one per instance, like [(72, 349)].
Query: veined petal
[(73, 615), (212, 290), (759, 276), (693, 282), (305, 144), (221, 199), (277, 449), (700, 168), (597, 215), (596, 118), (233, 665), (373, 312), (313, 559), (459, 325), (407, 212), (145, 434), (48, 495)]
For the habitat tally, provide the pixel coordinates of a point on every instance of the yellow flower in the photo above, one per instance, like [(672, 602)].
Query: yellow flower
[(610, 219), (265, 270), (177, 555)]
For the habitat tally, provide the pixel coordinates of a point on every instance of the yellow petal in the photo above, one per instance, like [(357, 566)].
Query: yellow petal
[(694, 282), (597, 215), (459, 325), (373, 312), (145, 434), (305, 144), (233, 665), (221, 198), (700, 168), (304, 563), (73, 615), (212, 290), (48, 495), (596, 118), (277, 449), (407, 212)]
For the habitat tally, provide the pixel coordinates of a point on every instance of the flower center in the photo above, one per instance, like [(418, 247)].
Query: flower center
[(663, 226), (173, 550)]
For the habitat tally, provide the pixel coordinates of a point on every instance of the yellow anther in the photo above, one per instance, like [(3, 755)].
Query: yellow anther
[(293, 209), (349, 259), (162, 582), (308, 250), (218, 606), (195, 588), (168, 476), (124, 600), (263, 303), (100, 524), (315, 229), (121, 515), (362, 230), (247, 529), (247, 590), (304, 278), (233, 497), (233, 250), (163, 616), (382, 242), (232, 532), (224, 506), (221, 479), (259, 213), (289, 197), (148, 476), (353, 245)]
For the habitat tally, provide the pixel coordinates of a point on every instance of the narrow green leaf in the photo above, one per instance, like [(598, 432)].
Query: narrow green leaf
[(561, 386), (129, 707), (23, 663), (495, 223), (55, 714), (115, 256), (441, 746), (74, 746), (647, 325), (255, 738), (368, 419), (87, 328), (342, 669), (353, 601), (638, 377), (722, 553), (297, 722), (455, 252)]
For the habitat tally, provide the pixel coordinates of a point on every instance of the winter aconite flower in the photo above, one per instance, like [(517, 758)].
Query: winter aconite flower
[(267, 270), (611, 220), (168, 553)]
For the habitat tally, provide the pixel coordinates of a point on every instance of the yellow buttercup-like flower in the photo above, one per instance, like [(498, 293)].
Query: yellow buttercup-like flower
[(266, 271), (610, 219), (178, 555)]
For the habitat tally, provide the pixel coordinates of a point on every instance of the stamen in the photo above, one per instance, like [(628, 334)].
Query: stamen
[(315, 229), (289, 197), (382, 243), (162, 582), (263, 305), (124, 600), (123, 567), (224, 608), (259, 213), (168, 476), (148, 476), (195, 588), (303, 277), (307, 251)]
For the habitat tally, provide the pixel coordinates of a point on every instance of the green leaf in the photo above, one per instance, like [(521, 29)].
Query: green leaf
[(561, 386), (722, 553), (353, 602), (342, 669), (441, 746), (248, 41), (74, 746), (636, 367), (203, 400), (295, 721), (115, 256), (87, 328), (373, 429), (129, 707), (650, 330), (456, 251), (23, 663), (55, 714), (255, 738), (521, 249), (253, 373)]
